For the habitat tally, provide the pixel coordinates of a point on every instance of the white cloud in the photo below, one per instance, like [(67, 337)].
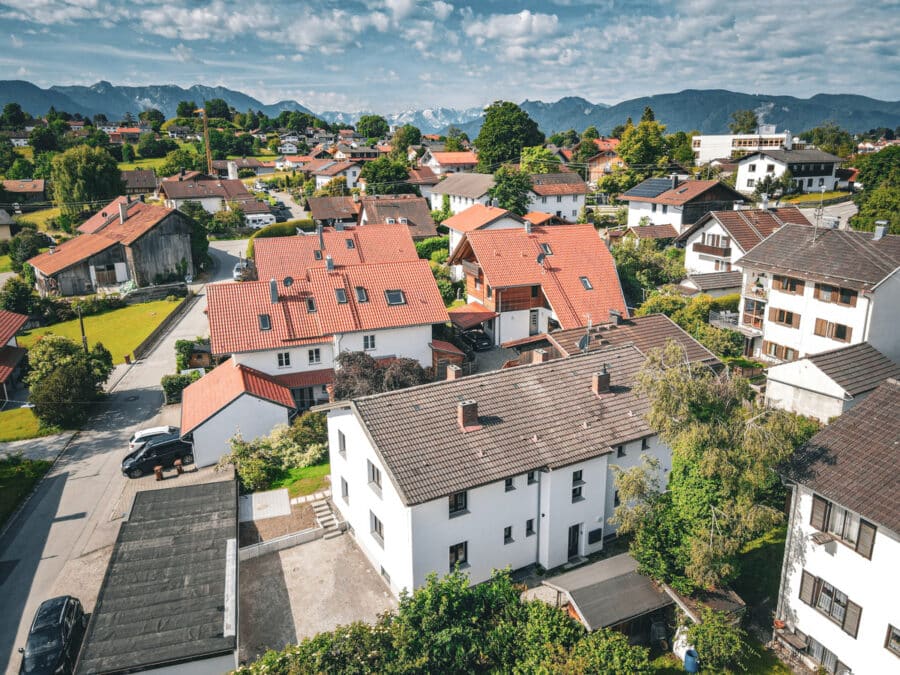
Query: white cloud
[(400, 8), (184, 54), (15, 42), (442, 9), (524, 26), (23, 71)]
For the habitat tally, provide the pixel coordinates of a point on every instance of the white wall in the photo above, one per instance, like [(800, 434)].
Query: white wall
[(514, 325), (802, 388), (662, 215), (704, 263), (884, 321), (267, 361), (408, 342), (251, 416), (761, 164), (564, 206), (211, 204), (457, 202), (872, 584)]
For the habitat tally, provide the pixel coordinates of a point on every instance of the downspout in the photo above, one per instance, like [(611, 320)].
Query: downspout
[(537, 532)]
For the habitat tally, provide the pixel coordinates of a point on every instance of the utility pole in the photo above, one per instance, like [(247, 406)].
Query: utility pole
[(209, 166), (83, 336)]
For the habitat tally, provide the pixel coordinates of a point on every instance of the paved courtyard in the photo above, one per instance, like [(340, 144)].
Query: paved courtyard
[(304, 590)]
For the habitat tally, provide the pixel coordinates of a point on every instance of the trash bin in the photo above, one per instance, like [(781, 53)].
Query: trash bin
[(178, 467), (158, 472), (691, 661)]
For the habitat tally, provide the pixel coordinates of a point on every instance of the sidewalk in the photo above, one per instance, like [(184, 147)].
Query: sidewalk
[(45, 447)]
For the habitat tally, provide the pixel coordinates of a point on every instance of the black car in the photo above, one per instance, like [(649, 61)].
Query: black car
[(55, 637), (476, 339), (160, 451)]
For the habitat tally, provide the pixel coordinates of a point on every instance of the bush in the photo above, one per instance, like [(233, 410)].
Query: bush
[(17, 295), (426, 247), (440, 256), (174, 385), (286, 229), (720, 644)]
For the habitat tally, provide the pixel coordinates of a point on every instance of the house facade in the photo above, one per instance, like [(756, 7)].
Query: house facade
[(462, 191), (349, 171), (477, 217), (559, 194), (450, 481), (811, 170), (708, 147), (29, 194), (671, 201), (809, 290), (838, 600), (449, 162)]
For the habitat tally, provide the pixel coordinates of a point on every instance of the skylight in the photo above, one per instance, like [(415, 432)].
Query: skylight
[(351, 243), (317, 254), (586, 283), (341, 295), (546, 249), (362, 295), (310, 304), (265, 322), (395, 297)]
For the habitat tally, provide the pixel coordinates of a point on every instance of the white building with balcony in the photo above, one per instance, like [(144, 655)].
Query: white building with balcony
[(708, 147), (839, 602), (811, 170)]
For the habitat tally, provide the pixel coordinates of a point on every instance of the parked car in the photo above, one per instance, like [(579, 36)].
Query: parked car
[(138, 438), (241, 270), (55, 637), (476, 339), (162, 451)]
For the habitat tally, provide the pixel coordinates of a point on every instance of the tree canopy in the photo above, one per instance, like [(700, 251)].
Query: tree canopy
[(879, 174), (538, 159), (373, 126), (358, 374), (404, 137), (829, 137), (386, 176), (743, 122), (83, 176), (643, 147), (511, 188), (217, 107), (505, 131)]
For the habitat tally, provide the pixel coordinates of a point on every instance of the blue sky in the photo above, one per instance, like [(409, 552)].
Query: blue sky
[(389, 55)]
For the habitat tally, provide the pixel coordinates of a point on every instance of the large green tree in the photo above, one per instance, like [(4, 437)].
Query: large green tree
[(505, 131), (185, 109), (42, 139), (7, 154), (538, 159), (21, 169), (82, 177), (829, 137), (643, 148), (743, 122), (218, 108), (153, 117), (511, 188), (386, 176), (404, 137), (373, 126), (879, 174), (13, 116)]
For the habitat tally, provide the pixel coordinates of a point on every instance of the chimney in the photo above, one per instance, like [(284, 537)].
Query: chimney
[(467, 415), (123, 212), (273, 291), (319, 231), (674, 181), (540, 356), (181, 175), (765, 201), (329, 263), (600, 382), (615, 317), (453, 372), (527, 226), (880, 229)]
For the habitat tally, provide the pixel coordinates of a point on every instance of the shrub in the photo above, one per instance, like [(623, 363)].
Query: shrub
[(286, 229), (428, 246), (720, 643), (440, 256), (174, 385)]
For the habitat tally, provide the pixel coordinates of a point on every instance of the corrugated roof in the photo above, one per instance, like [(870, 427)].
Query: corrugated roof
[(856, 368), (853, 461)]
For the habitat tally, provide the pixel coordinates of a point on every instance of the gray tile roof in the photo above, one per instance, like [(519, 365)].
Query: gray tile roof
[(471, 185), (844, 258), (163, 596), (857, 368), (853, 461), (794, 156), (716, 281), (532, 416)]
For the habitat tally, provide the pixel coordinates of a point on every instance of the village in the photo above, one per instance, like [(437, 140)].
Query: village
[(271, 385)]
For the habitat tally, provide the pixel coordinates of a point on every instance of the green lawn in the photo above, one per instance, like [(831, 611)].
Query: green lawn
[(304, 481), (815, 197), (17, 478), (18, 424), (120, 330), (149, 163), (41, 219), (5, 265), (760, 574)]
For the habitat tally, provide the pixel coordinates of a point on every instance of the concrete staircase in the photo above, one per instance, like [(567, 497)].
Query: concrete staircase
[(326, 519)]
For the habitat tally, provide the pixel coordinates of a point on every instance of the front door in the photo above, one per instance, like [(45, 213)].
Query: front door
[(574, 537), (533, 322)]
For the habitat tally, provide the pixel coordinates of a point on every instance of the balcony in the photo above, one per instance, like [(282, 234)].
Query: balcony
[(752, 322), (757, 292), (720, 251)]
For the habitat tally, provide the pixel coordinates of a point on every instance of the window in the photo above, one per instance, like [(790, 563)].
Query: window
[(477, 283), (595, 536), (534, 291), (377, 529), (315, 356), (751, 168), (395, 297), (809, 182), (311, 304), (509, 484), (831, 602), (616, 500), (361, 294), (368, 342), (490, 291), (847, 297), (459, 555), (784, 317), (653, 208), (265, 322), (576, 478), (587, 284), (507, 534), (459, 503), (665, 208), (574, 213), (750, 182), (374, 476), (345, 491), (543, 200), (892, 642), (341, 295), (788, 285), (576, 494), (835, 331), (844, 525), (558, 199), (546, 249), (770, 168), (317, 254), (342, 443), (826, 658), (645, 444), (620, 451), (529, 527), (821, 182), (284, 359), (390, 221), (532, 477), (351, 243)]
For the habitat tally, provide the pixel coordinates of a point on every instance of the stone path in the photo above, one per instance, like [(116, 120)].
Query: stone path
[(316, 496)]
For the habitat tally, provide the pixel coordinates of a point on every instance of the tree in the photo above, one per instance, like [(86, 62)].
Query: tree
[(185, 109), (373, 126), (153, 117), (13, 116), (505, 131), (590, 133), (24, 246), (882, 203), (829, 137), (386, 176), (358, 374), (336, 187), (17, 295), (585, 151), (511, 190), (43, 164), (643, 267), (619, 130), (743, 122), (538, 159), (227, 220), (201, 225), (720, 643), (150, 146), (127, 152), (7, 154), (218, 108), (404, 137), (181, 159), (456, 139), (643, 148), (20, 169), (43, 139), (82, 176), (680, 148)]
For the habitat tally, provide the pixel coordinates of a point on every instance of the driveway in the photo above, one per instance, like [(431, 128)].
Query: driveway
[(304, 590), (61, 541), (843, 211), (297, 211), (493, 359)]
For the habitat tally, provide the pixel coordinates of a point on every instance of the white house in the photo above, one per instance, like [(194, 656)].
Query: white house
[(708, 147), (481, 472), (812, 170), (348, 170), (559, 194), (828, 384), (839, 601), (449, 162), (462, 190), (231, 399), (808, 290), (477, 217), (287, 148), (717, 241), (670, 201)]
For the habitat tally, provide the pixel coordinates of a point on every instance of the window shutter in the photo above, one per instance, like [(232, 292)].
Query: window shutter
[(819, 513), (821, 327), (801, 285), (849, 333), (778, 283), (807, 588), (866, 539), (773, 314), (795, 320), (851, 618)]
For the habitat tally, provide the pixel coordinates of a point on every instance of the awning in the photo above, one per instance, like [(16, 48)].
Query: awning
[(470, 316)]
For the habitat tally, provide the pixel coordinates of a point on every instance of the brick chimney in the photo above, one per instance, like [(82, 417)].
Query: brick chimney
[(467, 415), (600, 382), (540, 356), (453, 372)]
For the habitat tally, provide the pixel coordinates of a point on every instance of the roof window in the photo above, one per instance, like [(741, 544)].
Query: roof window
[(546, 249), (362, 295), (317, 254), (587, 284), (351, 243), (265, 322), (311, 304), (395, 297), (341, 295)]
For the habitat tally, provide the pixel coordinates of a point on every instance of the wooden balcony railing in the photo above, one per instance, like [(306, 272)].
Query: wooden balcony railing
[(721, 251)]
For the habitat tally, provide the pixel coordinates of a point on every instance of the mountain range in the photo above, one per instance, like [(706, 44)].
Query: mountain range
[(707, 110)]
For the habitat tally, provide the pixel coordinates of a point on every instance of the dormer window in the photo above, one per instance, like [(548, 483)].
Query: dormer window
[(351, 243), (395, 297), (546, 249), (317, 254), (265, 322), (341, 296), (311, 304), (390, 221), (587, 284), (362, 295)]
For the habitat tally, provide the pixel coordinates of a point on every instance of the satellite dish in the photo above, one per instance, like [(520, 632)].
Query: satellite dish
[(288, 282), (540, 258), (584, 342)]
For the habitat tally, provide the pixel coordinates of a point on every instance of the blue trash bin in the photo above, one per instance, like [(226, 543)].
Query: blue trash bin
[(691, 661)]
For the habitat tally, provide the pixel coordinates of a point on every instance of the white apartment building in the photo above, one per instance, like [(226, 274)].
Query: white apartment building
[(839, 602), (811, 170), (809, 290), (485, 472), (708, 147)]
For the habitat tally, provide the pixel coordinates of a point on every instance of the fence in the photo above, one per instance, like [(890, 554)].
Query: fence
[(283, 542), (724, 319)]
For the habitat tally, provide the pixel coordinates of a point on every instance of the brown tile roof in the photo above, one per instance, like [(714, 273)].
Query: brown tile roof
[(10, 324), (29, 186), (415, 209), (857, 368), (221, 386), (471, 185), (455, 158), (844, 258), (477, 216), (334, 169), (234, 309), (70, 253), (333, 208), (447, 347), (10, 358), (423, 175), (224, 188), (509, 258), (538, 217), (853, 461), (242, 163), (278, 257), (140, 179), (748, 227), (563, 183), (470, 315), (654, 232), (427, 456), (684, 192), (311, 378)]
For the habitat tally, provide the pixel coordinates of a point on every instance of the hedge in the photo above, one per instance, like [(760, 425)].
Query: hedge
[(286, 229), (173, 385), (428, 246)]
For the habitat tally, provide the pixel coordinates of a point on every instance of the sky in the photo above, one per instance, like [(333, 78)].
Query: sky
[(391, 55)]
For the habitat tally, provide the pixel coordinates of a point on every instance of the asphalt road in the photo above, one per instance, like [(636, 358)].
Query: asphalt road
[(61, 542)]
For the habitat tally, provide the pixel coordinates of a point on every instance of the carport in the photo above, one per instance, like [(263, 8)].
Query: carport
[(472, 315)]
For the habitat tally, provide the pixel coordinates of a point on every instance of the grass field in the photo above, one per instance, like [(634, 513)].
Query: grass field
[(304, 481), (814, 197), (41, 218), (18, 424), (120, 330), (150, 163), (5, 265), (17, 478)]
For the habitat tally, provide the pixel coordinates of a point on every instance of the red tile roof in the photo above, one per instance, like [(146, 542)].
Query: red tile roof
[(563, 183), (10, 324), (477, 216), (448, 347), (10, 357), (310, 378), (335, 168), (748, 227), (538, 217), (278, 257), (29, 186), (607, 144), (470, 315), (423, 175), (223, 385), (455, 158), (508, 258), (234, 309)]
